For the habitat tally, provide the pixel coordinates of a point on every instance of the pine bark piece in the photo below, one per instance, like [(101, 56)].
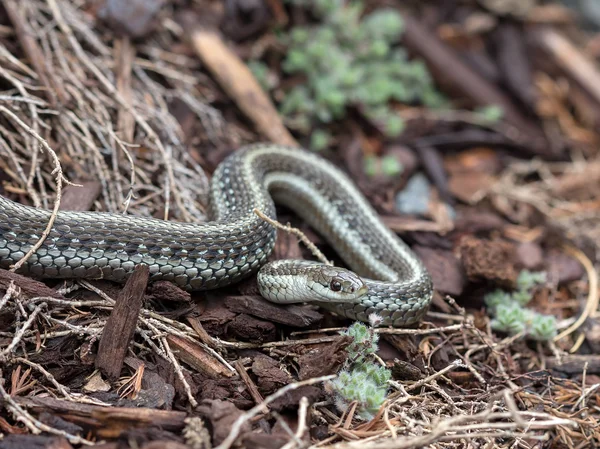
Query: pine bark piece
[(106, 422), (241, 86), (198, 358), (34, 442), (291, 315), (80, 198), (493, 260), (120, 326)]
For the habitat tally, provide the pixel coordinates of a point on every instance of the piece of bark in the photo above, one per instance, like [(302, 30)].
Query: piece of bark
[(514, 62), (252, 388), (166, 291), (81, 197), (264, 441), (291, 315), (201, 333), (198, 358), (530, 255), (29, 287), (575, 364), (34, 442), (132, 18), (121, 323), (291, 399), (563, 268), (56, 422), (156, 392), (106, 422), (248, 328), (270, 376), (433, 163), (445, 269), (403, 370), (140, 437), (221, 415), (491, 260), (161, 444), (472, 221), (238, 82), (323, 359), (229, 390), (124, 56)]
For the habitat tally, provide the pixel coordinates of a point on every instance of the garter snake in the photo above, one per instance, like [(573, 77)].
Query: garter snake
[(237, 243)]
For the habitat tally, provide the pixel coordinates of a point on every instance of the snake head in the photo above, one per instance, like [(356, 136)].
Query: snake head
[(333, 284), (293, 281)]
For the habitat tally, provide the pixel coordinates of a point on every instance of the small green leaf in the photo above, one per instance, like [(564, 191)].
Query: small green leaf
[(319, 140), (390, 165), (491, 114)]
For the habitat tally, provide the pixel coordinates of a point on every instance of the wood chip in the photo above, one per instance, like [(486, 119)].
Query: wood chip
[(80, 197), (241, 86), (198, 358), (29, 287), (292, 315), (107, 422), (121, 323)]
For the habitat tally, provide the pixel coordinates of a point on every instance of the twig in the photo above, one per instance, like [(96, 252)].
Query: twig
[(591, 304), (59, 178), (36, 427), (298, 233), (61, 388), (179, 371), (19, 334)]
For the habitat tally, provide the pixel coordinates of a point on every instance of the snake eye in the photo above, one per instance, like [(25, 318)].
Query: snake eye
[(335, 286)]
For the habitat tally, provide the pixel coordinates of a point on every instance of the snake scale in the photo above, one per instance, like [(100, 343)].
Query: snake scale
[(393, 282)]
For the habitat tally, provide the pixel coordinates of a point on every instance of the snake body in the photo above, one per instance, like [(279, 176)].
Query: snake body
[(237, 243)]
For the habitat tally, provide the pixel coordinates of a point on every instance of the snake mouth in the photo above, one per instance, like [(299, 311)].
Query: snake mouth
[(362, 291)]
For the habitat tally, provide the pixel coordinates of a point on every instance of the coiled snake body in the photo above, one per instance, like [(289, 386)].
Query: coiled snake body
[(237, 242)]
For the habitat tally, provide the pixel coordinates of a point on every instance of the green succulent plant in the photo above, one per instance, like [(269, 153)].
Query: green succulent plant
[(361, 379), (351, 59), (510, 314), (510, 317), (543, 327), (530, 279)]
